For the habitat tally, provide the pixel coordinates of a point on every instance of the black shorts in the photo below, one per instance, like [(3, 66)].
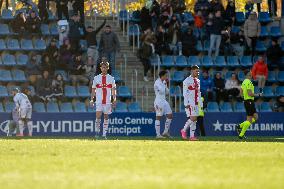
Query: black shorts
[(250, 107)]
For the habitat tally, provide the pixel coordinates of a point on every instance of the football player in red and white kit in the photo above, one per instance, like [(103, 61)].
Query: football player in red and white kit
[(104, 96), (192, 96)]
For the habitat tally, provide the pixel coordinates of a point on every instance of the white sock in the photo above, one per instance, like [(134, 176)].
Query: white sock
[(192, 128), (187, 125), (21, 127), (167, 125), (157, 127), (105, 127), (30, 127), (97, 126)]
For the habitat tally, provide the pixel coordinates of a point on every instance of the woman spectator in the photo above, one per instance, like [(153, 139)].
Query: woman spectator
[(219, 87), (57, 87), (189, 42), (260, 72), (230, 13), (166, 12), (43, 87), (232, 86), (162, 46), (65, 54), (18, 24), (174, 34)]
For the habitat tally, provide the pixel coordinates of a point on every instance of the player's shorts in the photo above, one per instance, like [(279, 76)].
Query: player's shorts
[(192, 111), (25, 113), (250, 107), (105, 108), (162, 108)]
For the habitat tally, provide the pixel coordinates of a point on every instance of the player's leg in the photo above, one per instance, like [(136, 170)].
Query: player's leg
[(107, 111), (159, 113), (169, 117), (251, 118), (98, 119), (192, 128), (29, 122), (22, 120), (187, 123)]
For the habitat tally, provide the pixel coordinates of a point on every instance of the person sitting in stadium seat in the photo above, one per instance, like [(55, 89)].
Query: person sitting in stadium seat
[(273, 53), (162, 45), (174, 34), (48, 64), (77, 71), (279, 105), (238, 43), (43, 86), (33, 23), (57, 87), (232, 86), (18, 24), (206, 86), (189, 42), (65, 54), (219, 87), (52, 51), (260, 72)]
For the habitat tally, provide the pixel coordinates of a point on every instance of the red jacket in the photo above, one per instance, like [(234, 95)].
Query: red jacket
[(198, 21), (259, 68)]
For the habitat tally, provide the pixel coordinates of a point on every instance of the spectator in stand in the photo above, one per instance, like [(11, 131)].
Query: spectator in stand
[(217, 30), (219, 87), (208, 27), (203, 6), (33, 23), (43, 86), (47, 64), (42, 7), (65, 54), (206, 86), (166, 12), (216, 5), (75, 31), (91, 38), (252, 31), (109, 45), (258, 3), (33, 69), (199, 22), (52, 51), (178, 8), (272, 7), (226, 42), (238, 43), (273, 53), (18, 24), (155, 13), (77, 71), (279, 105), (78, 7), (189, 42), (248, 8), (57, 87), (145, 17), (162, 45), (62, 8), (232, 86), (174, 34), (260, 72), (230, 13), (63, 30)]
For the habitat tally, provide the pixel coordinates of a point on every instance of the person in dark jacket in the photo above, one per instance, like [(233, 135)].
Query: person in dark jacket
[(230, 13), (145, 17), (77, 71), (216, 5), (219, 87), (62, 8), (43, 86), (78, 7), (162, 46), (18, 24), (52, 51), (47, 64), (33, 23), (42, 7), (65, 54), (273, 53), (189, 42), (155, 14), (74, 31)]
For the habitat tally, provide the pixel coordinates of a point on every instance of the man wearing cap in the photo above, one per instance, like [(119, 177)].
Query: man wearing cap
[(104, 96)]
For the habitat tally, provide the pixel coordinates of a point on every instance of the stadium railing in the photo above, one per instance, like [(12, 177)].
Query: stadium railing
[(134, 79)]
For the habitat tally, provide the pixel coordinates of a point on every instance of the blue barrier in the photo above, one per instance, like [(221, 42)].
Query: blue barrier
[(142, 124)]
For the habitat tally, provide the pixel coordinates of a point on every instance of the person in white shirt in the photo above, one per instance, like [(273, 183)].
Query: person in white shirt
[(232, 86), (162, 107), (192, 97), (104, 95), (24, 107)]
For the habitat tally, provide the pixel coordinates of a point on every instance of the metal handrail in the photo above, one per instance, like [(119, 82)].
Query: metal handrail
[(138, 38), (125, 65), (159, 62), (144, 90), (127, 25), (134, 73)]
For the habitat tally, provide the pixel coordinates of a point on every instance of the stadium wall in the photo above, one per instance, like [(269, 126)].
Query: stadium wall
[(142, 124)]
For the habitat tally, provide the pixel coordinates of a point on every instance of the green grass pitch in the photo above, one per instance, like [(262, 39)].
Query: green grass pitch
[(142, 163)]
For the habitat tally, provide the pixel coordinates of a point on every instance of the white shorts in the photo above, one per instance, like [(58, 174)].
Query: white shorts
[(105, 108), (25, 113), (192, 111), (162, 108)]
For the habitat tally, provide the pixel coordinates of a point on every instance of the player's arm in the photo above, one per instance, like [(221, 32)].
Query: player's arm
[(113, 93), (93, 93)]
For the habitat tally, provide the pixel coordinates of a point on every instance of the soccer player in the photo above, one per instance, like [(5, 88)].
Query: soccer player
[(24, 107), (161, 105), (247, 91), (104, 95), (192, 97)]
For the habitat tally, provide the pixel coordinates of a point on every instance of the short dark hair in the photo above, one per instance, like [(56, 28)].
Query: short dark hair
[(194, 67), (162, 73), (246, 72), (108, 26)]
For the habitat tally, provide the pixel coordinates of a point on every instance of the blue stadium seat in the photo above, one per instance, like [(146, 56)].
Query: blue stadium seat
[(228, 74), (265, 107), (63, 73), (275, 31), (175, 91), (241, 75), (27, 45), (39, 107), (246, 61), (279, 91), (4, 29), (13, 44), (9, 106), (134, 30), (240, 17), (53, 29), (235, 29), (80, 107), (44, 29), (18, 76), (187, 17), (256, 90), (83, 45), (3, 92), (181, 61), (5, 76), (124, 92), (167, 61), (91, 108), (123, 15), (280, 76), (2, 45), (8, 60), (83, 91), (178, 76), (260, 46), (155, 60), (1, 108), (220, 61), (40, 45), (7, 15), (194, 60), (264, 32), (52, 107), (70, 91), (134, 107), (226, 107), (233, 61), (212, 107), (199, 46), (121, 107), (239, 107), (271, 77), (207, 61), (66, 107), (196, 33), (264, 17), (116, 76), (268, 92), (22, 59)]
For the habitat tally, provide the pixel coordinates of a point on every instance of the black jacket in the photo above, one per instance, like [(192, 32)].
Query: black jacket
[(91, 37), (218, 26)]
